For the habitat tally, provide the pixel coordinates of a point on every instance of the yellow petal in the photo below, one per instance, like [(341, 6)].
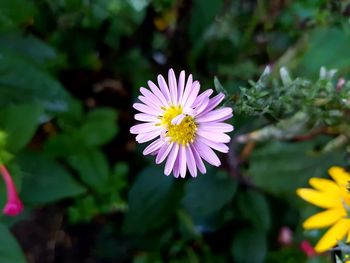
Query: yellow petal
[(340, 176), (335, 234), (321, 199), (324, 185), (324, 219)]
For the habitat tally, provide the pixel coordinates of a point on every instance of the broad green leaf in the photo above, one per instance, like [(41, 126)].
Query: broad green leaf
[(254, 207), (45, 181), (28, 46), (321, 42), (15, 12), (82, 133), (65, 144), (99, 126), (73, 117), (92, 168), (203, 14), (10, 251), (21, 81), (249, 246), (153, 199), (20, 123), (280, 167), (208, 193)]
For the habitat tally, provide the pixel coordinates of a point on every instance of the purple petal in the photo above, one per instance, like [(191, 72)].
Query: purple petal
[(154, 146), (202, 105), (145, 92), (150, 103), (143, 127), (207, 153), (198, 160), (220, 120), (146, 109), (214, 136), (213, 102), (176, 169), (164, 88), (216, 115), (172, 86), (171, 159), (178, 119), (146, 117), (216, 146), (187, 89), (182, 161), (193, 95), (202, 96), (163, 135), (180, 87), (163, 152), (214, 126), (157, 93), (191, 163), (145, 137)]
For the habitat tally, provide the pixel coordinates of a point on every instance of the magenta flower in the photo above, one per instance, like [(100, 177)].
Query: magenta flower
[(13, 204), (184, 125)]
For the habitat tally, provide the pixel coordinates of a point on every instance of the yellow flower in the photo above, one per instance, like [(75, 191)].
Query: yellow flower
[(334, 196)]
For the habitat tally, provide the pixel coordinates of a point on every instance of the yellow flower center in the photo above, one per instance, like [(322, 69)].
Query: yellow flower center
[(182, 133)]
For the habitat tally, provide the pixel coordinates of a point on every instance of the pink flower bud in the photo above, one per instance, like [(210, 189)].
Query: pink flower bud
[(306, 247), (13, 204)]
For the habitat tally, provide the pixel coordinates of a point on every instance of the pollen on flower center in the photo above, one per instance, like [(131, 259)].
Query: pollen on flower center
[(182, 133)]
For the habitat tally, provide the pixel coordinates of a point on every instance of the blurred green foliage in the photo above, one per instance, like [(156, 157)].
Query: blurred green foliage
[(69, 73)]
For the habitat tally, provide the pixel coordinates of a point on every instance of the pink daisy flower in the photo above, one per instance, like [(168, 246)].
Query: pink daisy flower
[(184, 124)]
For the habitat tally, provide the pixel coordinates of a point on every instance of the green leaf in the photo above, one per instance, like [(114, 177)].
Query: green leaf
[(153, 199), (15, 12), (322, 40), (204, 12), (290, 254), (92, 167), (249, 246), (219, 88), (222, 189), (73, 117), (118, 177), (65, 144), (99, 127), (44, 180), (21, 81), (280, 167), (82, 133), (20, 123), (253, 206), (10, 251), (28, 46), (84, 209)]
